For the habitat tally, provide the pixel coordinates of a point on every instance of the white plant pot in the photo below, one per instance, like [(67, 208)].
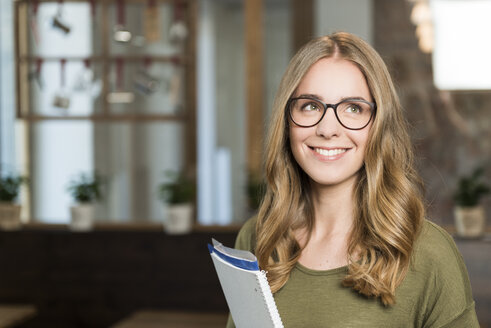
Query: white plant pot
[(179, 219), (470, 221), (82, 217), (10, 216)]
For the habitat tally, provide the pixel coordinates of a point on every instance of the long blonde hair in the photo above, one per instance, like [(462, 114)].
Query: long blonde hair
[(389, 209)]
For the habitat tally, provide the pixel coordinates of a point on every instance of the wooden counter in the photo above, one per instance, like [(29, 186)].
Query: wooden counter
[(165, 319), (11, 315)]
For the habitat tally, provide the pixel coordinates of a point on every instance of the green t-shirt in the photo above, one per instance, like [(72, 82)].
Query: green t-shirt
[(436, 291)]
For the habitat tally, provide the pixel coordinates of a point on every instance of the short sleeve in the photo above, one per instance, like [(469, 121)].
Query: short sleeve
[(465, 319), (449, 301), (246, 238)]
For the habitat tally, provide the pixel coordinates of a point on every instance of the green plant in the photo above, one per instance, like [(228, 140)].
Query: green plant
[(470, 189), (9, 187), (179, 189), (85, 188)]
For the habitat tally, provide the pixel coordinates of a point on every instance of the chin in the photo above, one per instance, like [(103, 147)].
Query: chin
[(333, 179)]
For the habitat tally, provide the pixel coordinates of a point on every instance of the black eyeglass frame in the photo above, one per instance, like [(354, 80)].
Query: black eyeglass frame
[(373, 107)]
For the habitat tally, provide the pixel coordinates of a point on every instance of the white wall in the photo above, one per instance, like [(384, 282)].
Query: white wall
[(354, 16), (7, 104)]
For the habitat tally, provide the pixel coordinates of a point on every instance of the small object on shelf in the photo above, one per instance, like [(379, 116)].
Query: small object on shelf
[(139, 40), (178, 31), (36, 74), (86, 81), (62, 99), (145, 83), (58, 22), (120, 96), (121, 34), (151, 21)]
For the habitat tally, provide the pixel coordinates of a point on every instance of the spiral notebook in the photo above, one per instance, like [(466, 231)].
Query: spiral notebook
[(246, 288)]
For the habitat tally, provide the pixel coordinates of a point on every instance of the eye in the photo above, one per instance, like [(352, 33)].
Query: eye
[(353, 108), (310, 107)]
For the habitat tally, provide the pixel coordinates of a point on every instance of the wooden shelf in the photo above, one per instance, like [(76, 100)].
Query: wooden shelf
[(107, 118), (99, 1), (179, 60), (131, 226)]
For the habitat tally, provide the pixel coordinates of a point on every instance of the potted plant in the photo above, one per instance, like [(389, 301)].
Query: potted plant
[(85, 190), (178, 193), (469, 213), (9, 211)]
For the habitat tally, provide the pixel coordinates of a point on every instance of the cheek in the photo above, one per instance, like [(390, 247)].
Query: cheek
[(295, 142), (296, 137), (361, 139)]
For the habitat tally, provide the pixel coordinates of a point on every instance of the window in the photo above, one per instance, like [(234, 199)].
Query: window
[(462, 47)]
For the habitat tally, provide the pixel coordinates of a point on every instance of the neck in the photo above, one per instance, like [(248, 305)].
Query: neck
[(333, 208), (326, 246)]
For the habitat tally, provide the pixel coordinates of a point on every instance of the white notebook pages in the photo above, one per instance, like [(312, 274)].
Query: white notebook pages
[(246, 288)]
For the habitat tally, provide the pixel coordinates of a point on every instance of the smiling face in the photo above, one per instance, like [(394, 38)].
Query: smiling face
[(329, 153)]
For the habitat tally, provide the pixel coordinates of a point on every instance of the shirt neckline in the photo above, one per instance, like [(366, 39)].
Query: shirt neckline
[(304, 269)]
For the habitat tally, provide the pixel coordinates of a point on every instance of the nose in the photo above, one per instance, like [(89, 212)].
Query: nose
[(329, 126)]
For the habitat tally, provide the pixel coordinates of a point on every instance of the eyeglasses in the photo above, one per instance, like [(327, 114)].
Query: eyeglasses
[(353, 114)]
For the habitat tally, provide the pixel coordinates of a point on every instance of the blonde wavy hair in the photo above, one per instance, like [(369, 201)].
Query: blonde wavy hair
[(389, 209)]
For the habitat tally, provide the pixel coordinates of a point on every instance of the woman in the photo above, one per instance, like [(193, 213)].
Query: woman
[(341, 230)]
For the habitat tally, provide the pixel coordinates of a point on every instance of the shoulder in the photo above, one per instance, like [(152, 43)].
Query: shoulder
[(439, 269), (436, 253), (434, 246), (246, 238)]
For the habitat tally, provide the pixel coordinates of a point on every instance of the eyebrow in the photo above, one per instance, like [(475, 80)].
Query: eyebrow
[(310, 95)]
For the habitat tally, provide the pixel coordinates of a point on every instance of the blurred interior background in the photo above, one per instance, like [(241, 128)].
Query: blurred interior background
[(126, 108)]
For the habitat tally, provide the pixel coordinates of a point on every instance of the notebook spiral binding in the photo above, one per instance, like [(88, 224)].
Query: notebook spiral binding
[(269, 300)]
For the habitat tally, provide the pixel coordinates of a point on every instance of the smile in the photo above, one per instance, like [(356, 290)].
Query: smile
[(330, 152)]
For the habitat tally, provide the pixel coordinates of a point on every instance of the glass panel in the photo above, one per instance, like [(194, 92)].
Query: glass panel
[(231, 118), (60, 151), (7, 95), (131, 158)]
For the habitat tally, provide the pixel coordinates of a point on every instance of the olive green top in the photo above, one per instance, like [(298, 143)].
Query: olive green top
[(436, 291)]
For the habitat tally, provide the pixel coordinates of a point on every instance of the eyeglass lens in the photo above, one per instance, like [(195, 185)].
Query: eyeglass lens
[(351, 113)]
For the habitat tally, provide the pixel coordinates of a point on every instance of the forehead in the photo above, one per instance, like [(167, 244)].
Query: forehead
[(333, 79)]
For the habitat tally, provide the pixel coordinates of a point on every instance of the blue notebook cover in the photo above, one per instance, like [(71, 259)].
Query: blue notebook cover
[(241, 259)]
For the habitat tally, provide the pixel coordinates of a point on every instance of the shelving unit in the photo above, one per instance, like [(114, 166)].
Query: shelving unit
[(107, 57), (24, 12)]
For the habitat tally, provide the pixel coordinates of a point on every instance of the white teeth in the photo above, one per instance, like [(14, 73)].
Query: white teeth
[(330, 152)]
